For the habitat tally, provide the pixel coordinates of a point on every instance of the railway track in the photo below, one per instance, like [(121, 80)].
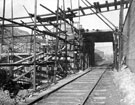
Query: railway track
[(74, 92)]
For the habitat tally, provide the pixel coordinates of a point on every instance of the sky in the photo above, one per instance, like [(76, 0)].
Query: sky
[(88, 22), (105, 47)]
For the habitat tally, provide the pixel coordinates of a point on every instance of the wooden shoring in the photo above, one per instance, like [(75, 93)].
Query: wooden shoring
[(57, 43), (26, 64), (76, 30), (41, 64), (12, 40), (107, 5), (35, 27), (1, 41), (111, 4), (82, 10), (70, 10), (56, 26), (29, 35), (30, 25), (65, 27), (127, 5), (97, 14), (120, 33), (44, 32), (95, 6), (102, 16), (41, 24), (115, 4), (98, 7)]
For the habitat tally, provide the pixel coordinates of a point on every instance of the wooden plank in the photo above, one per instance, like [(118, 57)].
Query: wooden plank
[(95, 6), (107, 5), (127, 5), (110, 4), (98, 7), (115, 4), (69, 10), (82, 10)]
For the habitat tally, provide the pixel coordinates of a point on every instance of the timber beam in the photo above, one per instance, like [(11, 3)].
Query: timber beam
[(115, 4), (27, 64), (44, 32), (82, 10), (105, 5)]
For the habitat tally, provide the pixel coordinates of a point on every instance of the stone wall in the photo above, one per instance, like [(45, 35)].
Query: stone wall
[(129, 37)]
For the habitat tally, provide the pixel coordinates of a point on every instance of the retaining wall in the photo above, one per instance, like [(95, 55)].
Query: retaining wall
[(129, 37)]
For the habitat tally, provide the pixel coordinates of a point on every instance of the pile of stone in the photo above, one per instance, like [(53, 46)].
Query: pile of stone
[(5, 99), (125, 81)]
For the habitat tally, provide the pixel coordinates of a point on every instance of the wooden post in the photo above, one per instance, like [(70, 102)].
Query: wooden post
[(34, 74), (120, 31), (65, 35), (57, 43), (1, 42)]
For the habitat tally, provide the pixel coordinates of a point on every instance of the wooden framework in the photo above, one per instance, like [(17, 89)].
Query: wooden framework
[(54, 19)]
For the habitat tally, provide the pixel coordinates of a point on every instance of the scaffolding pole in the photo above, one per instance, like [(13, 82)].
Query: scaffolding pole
[(12, 41), (57, 43), (34, 74), (99, 17), (4, 2), (80, 40), (66, 35), (120, 31)]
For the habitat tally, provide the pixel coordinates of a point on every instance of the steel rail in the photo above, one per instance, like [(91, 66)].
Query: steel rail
[(36, 100), (40, 97), (87, 96)]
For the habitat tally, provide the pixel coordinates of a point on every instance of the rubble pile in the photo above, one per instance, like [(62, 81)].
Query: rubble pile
[(5, 99), (125, 81)]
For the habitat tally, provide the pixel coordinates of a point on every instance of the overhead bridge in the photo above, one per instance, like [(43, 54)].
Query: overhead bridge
[(89, 39), (99, 36)]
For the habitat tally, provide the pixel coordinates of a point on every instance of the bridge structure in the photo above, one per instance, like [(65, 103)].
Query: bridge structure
[(89, 40)]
